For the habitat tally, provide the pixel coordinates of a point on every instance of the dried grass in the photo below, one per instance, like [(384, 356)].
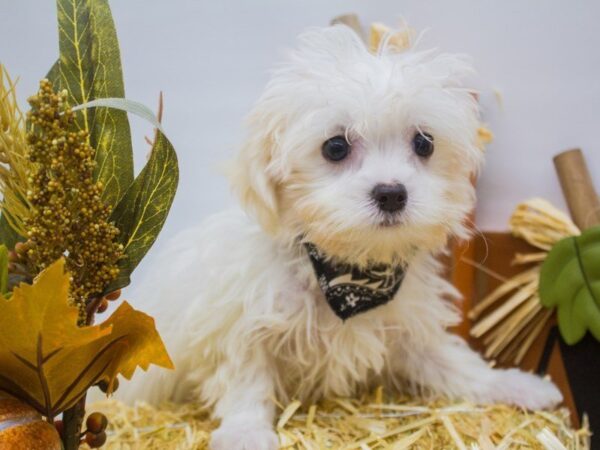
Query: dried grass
[(14, 162), (370, 423)]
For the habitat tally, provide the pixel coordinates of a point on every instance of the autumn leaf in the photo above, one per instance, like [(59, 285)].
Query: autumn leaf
[(49, 361)]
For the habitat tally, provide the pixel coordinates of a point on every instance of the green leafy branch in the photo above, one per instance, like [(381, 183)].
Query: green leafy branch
[(89, 69), (570, 281)]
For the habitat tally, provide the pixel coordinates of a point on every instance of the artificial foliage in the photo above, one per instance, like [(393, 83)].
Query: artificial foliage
[(50, 361), (143, 209), (75, 222), (570, 282), (88, 68), (67, 214)]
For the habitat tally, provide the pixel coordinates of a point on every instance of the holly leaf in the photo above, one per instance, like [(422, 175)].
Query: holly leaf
[(570, 281), (141, 213), (89, 67), (50, 362)]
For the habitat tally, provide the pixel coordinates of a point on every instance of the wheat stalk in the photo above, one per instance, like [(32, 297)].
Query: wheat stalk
[(14, 162)]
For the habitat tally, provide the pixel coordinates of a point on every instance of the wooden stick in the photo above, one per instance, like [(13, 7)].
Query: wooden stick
[(352, 21), (578, 188)]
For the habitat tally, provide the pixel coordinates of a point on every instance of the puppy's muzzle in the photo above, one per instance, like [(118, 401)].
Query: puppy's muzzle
[(390, 198)]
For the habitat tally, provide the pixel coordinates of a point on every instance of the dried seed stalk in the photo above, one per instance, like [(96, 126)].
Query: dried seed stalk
[(68, 217)]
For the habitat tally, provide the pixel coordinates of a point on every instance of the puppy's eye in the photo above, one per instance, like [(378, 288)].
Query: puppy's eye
[(423, 144), (335, 149)]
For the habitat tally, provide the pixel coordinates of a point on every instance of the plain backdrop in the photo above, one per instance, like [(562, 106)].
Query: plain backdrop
[(538, 66)]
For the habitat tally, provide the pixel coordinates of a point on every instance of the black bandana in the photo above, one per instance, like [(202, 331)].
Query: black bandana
[(351, 290)]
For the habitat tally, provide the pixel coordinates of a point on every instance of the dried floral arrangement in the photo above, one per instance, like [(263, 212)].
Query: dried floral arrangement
[(509, 330), (554, 301), (564, 275), (75, 223)]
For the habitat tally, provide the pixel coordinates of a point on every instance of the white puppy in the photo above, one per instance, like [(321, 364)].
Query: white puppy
[(369, 159)]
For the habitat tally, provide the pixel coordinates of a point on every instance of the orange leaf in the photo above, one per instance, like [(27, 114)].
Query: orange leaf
[(49, 361)]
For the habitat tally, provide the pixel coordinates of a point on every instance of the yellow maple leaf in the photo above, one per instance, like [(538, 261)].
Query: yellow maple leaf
[(49, 361)]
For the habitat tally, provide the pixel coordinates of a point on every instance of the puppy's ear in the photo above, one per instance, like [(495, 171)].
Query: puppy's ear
[(251, 173)]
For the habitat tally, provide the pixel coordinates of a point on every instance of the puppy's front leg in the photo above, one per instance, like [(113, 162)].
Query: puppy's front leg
[(245, 405), (447, 366)]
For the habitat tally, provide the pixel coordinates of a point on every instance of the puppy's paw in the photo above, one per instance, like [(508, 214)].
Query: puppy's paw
[(526, 390), (248, 436)]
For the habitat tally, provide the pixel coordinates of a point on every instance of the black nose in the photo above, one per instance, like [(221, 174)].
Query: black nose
[(390, 197)]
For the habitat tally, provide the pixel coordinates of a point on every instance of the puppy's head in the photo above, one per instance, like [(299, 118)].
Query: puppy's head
[(368, 156)]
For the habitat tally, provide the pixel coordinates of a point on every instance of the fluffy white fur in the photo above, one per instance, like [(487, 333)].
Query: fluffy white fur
[(236, 299)]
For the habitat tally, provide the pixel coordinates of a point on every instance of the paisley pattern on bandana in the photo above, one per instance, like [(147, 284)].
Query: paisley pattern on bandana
[(350, 290)]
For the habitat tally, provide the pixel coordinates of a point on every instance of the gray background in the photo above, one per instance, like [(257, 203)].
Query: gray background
[(211, 59)]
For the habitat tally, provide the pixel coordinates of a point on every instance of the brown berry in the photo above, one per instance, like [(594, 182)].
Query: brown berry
[(103, 306), (96, 423), (114, 295), (103, 385), (95, 440)]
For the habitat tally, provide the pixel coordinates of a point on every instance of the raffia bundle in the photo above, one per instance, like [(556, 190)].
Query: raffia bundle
[(368, 423), (511, 318)]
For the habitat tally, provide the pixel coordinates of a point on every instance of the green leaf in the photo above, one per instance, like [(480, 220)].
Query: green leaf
[(570, 281), (90, 68), (141, 213), (3, 269), (123, 104), (53, 75)]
